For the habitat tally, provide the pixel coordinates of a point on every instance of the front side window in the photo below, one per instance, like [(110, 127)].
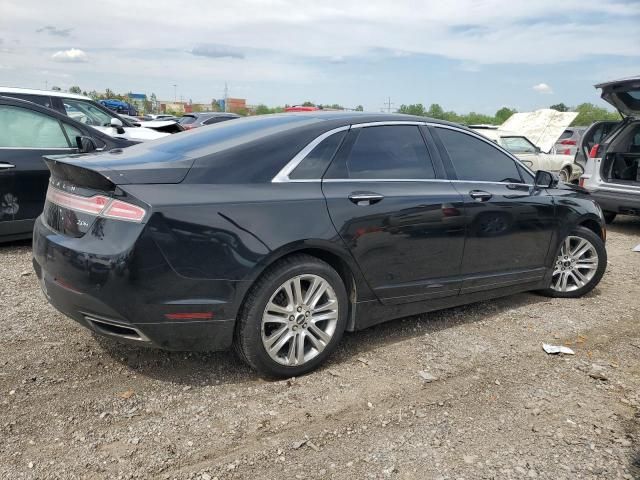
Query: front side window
[(389, 152), (87, 113), (517, 145), (23, 128), (476, 160)]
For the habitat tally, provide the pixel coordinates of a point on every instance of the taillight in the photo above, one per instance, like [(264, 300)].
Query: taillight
[(581, 182), (124, 211), (565, 151), (92, 205), (568, 142), (98, 205), (594, 151)]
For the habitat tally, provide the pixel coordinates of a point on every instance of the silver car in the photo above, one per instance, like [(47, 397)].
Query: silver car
[(612, 172)]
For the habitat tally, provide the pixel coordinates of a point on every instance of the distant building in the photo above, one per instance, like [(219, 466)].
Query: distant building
[(236, 105)]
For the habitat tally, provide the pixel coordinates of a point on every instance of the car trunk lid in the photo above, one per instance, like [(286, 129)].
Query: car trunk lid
[(623, 94), (85, 188), (543, 127)]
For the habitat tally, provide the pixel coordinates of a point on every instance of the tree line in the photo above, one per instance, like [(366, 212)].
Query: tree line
[(587, 114)]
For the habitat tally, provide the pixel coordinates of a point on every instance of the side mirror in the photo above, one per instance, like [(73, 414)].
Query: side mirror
[(537, 149), (117, 124), (545, 179), (86, 144)]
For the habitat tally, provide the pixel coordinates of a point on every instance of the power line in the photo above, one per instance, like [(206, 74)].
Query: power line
[(387, 105)]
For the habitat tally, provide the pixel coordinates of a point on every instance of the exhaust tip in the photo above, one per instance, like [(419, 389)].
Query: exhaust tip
[(114, 329)]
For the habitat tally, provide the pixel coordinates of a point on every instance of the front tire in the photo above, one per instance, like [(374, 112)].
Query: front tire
[(579, 265), (293, 317)]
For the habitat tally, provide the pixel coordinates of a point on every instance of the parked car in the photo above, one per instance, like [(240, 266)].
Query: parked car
[(200, 119), (569, 141), (612, 172), (29, 131), (530, 154), (85, 110), (119, 106), (278, 233), (159, 116), (165, 125)]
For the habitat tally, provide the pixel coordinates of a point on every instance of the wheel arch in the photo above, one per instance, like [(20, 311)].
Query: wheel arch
[(594, 225), (340, 260)]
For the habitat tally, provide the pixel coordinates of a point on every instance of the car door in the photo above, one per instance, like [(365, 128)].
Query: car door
[(509, 222), (26, 135), (399, 217)]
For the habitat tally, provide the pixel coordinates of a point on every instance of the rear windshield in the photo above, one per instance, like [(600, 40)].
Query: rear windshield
[(187, 119), (225, 135)]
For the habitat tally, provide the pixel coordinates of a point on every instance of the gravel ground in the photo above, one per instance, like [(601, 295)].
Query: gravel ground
[(466, 393)]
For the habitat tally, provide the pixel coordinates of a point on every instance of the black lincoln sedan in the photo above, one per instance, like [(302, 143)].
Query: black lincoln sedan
[(275, 234), (27, 132)]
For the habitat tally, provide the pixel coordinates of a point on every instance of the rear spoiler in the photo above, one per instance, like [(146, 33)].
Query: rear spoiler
[(75, 175)]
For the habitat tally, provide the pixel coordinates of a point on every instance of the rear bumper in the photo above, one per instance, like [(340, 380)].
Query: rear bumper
[(625, 203), (132, 294)]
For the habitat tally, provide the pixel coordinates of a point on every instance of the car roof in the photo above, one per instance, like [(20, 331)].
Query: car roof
[(33, 91)]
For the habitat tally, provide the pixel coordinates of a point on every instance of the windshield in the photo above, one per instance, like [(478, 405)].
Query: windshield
[(517, 145), (87, 113)]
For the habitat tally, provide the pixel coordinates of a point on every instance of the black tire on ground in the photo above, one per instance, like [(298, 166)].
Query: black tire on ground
[(609, 217), (598, 244), (248, 338)]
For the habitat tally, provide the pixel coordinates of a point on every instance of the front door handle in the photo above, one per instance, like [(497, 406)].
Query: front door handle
[(5, 166), (480, 195), (365, 198)]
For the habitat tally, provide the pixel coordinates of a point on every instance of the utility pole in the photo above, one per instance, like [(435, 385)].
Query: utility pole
[(226, 97), (175, 94), (46, 84), (387, 105)]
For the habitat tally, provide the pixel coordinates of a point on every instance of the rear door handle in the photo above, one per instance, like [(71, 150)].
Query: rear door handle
[(5, 166), (365, 198), (480, 195)]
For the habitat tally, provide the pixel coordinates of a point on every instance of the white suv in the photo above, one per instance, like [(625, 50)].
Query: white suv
[(612, 172)]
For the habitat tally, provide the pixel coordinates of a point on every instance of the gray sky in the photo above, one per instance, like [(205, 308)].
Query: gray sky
[(466, 55)]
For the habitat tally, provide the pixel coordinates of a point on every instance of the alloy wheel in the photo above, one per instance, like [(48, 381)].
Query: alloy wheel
[(575, 265), (299, 320)]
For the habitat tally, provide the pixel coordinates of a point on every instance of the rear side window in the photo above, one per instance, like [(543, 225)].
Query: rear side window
[(317, 161), (187, 120), (23, 128), (475, 159), (386, 153)]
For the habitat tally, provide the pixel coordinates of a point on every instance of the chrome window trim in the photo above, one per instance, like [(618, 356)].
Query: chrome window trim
[(385, 180), (283, 175), (38, 148)]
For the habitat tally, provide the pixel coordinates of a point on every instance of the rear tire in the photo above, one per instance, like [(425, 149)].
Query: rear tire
[(579, 265), (288, 325), (609, 217)]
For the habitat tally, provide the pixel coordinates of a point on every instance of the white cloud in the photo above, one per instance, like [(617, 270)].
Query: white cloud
[(73, 55), (542, 88)]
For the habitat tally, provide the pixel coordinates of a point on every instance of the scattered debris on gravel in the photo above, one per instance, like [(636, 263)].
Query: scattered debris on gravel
[(466, 393)]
